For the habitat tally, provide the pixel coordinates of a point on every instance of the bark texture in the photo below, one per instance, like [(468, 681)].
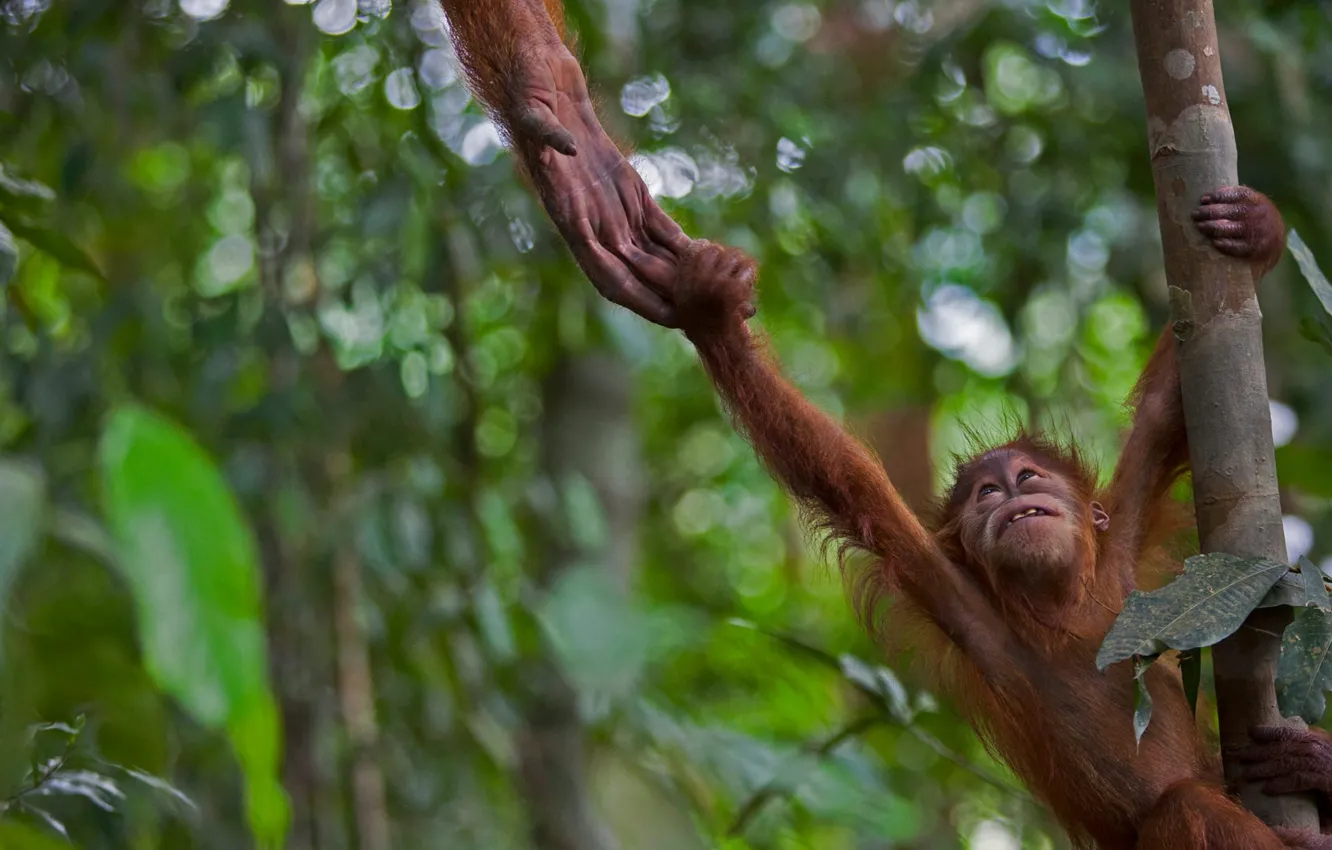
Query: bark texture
[(1218, 329)]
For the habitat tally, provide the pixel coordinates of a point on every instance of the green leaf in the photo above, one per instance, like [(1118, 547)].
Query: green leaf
[(1142, 698), (1315, 591), (1205, 604), (9, 256), (1190, 668), (58, 246), (1303, 671), (879, 680), (191, 562), (17, 836), (27, 196), (1304, 258), (158, 784), (1288, 590), (860, 673), (22, 504), (1299, 588)]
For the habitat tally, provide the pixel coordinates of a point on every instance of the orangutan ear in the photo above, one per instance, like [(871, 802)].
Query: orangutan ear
[(1100, 519)]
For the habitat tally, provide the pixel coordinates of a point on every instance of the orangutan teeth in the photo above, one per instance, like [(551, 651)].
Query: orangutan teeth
[(1028, 512)]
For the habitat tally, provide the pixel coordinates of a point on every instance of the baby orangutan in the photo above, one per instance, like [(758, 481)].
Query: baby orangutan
[(1016, 584), (1019, 578)]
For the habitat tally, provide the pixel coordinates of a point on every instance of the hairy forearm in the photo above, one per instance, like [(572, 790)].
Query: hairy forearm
[(1156, 451), (1158, 422), (494, 39), (840, 486), (843, 491)]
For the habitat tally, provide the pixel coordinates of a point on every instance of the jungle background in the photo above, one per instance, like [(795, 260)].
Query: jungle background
[(337, 511)]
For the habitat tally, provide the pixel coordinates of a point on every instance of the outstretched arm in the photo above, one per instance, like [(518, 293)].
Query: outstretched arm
[(519, 66), (840, 487), (1240, 223)]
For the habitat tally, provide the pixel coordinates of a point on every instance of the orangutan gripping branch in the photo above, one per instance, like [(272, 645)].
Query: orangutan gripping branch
[(1019, 578)]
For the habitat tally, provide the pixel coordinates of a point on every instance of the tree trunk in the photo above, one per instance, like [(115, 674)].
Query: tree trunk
[(901, 438), (356, 694), (295, 673), (1218, 329), (587, 433)]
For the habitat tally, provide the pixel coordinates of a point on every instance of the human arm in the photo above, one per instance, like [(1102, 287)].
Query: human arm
[(518, 64), (840, 487)]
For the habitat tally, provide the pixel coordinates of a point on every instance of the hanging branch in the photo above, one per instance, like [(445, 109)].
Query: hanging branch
[(1218, 328)]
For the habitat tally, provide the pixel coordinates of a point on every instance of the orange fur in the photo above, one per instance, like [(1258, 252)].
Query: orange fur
[(1020, 667), (493, 38), (1025, 679)]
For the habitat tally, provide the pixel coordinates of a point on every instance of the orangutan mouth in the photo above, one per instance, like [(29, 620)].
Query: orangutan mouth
[(1028, 512)]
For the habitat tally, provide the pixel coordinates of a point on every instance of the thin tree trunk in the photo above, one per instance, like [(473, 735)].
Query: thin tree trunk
[(1218, 328), (588, 433), (295, 672), (356, 694), (298, 664), (901, 438)]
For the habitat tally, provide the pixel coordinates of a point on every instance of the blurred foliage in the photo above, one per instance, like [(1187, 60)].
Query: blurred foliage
[(497, 533)]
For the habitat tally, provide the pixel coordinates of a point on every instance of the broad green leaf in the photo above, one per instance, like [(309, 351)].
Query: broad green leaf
[(22, 504), (1205, 604), (1142, 698), (1288, 590), (1304, 258), (9, 256), (58, 246), (1303, 671), (191, 562)]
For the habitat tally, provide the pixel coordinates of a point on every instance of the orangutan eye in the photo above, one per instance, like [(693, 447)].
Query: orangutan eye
[(987, 490), (1024, 475)]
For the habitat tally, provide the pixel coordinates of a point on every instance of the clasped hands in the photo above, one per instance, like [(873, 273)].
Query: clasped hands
[(629, 248)]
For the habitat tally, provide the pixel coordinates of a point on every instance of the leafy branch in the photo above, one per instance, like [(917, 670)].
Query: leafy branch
[(23, 206), (39, 776), (893, 705), (1207, 603)]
